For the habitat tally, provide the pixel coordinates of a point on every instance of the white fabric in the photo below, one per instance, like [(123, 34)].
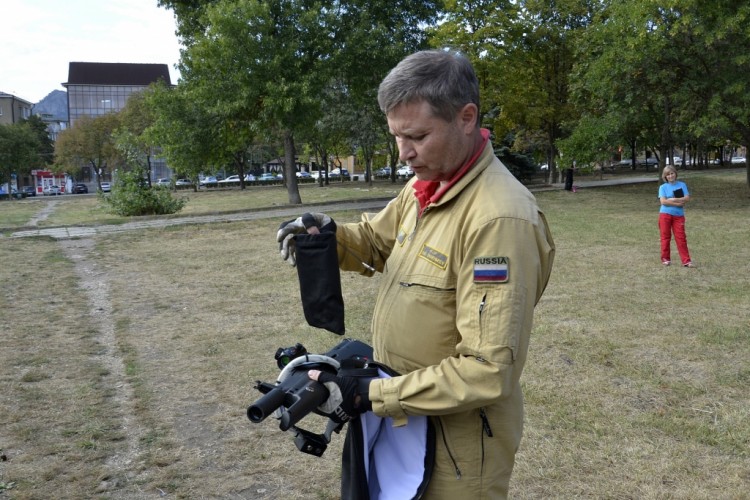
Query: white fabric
[(394, 456)]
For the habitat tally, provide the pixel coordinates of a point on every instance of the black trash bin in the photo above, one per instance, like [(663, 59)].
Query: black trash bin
[(569, 179)]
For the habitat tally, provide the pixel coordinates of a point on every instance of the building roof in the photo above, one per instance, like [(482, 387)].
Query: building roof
[(5, 95), (88, 73)]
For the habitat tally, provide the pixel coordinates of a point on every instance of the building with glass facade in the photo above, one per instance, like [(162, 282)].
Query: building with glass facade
[(98, 88), (95, 89)]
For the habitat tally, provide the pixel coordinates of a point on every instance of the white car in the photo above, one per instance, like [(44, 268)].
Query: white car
[(209, 181), (106, 187), (404, 172), (738, 160), (52, 190), (162, 183), (232, 179)]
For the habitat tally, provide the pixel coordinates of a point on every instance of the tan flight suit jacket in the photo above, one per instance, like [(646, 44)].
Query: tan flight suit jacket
[(454, 315)]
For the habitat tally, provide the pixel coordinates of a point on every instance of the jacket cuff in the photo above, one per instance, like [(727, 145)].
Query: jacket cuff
[(385, 402)]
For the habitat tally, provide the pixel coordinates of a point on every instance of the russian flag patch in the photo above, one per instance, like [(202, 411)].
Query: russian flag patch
[(491, 270)]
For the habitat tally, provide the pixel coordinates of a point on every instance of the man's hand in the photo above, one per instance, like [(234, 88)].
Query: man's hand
[(348, 395), (311, 223)]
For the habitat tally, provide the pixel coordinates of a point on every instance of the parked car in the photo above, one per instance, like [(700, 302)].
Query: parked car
[(303, 175), (13, 192), (738, 160), (183, 182), (249, 178), (383, 172), (232, 179), (52, 190), (404, 172), (209, 181), (268, 176), (80, 188), (106, 187), (338, 172), (162, 183), (28, 191)]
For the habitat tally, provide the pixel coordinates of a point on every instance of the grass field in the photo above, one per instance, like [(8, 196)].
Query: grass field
[(129, 358), (76, 210)]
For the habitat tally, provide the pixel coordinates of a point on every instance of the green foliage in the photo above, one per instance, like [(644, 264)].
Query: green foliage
[(131, 196), (19, 150), (520, 164), (46, 145), (91, 141)]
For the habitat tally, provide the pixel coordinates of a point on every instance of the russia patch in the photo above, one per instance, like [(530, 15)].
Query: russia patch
[(491, 270)]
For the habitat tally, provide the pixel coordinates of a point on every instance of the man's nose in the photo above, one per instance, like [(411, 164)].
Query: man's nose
[(405, 150)]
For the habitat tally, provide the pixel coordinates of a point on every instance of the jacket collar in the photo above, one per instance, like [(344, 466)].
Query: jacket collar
[(431, 193)]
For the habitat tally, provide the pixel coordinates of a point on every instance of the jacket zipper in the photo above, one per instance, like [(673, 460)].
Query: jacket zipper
[(448, 449), (485, 422), (407, 284), (487, 430), (419, 218)]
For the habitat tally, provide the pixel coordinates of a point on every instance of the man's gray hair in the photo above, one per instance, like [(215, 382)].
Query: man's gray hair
[(444, 79)]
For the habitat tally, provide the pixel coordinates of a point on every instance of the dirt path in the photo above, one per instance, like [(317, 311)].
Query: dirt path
[(42, 214), (94, 281)]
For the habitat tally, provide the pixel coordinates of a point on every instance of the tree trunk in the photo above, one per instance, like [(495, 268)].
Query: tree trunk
[(290, 168)]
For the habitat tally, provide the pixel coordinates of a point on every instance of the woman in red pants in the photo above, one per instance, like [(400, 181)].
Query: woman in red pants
[(673, 195)]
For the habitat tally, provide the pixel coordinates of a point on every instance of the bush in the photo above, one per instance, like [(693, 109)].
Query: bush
[(131, 195)]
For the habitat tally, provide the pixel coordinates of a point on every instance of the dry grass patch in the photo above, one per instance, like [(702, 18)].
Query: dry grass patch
[(636, 384), (88, 210)]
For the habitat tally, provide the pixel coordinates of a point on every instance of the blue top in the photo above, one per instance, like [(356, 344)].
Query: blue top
[(667, 190)]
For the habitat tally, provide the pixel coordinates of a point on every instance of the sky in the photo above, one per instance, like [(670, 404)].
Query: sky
[(39, 38)]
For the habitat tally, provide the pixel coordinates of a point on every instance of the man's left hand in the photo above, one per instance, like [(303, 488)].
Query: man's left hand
[(310, 223), (348, 395)]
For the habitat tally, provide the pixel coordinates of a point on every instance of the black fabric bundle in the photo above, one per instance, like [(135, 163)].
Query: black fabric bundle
[(320, 281)]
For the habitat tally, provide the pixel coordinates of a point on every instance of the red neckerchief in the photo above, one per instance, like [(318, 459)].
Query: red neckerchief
[(428, 192)]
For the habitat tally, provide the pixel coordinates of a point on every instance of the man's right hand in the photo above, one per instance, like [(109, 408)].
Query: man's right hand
[(311, 223)]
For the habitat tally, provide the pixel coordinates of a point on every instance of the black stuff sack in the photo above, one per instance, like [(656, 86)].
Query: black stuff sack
[(320, 281)]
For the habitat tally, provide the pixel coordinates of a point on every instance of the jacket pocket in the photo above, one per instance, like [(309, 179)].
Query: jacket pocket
[(497, 321), (463, 440), (425, 316)]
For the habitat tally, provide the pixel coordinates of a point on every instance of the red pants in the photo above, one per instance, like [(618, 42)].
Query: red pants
[(669, 224)]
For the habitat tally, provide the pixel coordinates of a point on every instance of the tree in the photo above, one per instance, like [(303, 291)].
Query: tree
[(46, 144), (262, 67), (89, 141), (131, 138), (369, 38), (259, 69), (523, 54), (716, 67), (661, 74), (19, 151), (183, 130)]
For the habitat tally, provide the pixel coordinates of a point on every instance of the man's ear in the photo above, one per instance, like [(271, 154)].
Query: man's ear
[(467, 118)]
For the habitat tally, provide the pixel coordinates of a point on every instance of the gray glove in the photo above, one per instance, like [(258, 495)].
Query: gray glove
[(311, 223), (348, 392)]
